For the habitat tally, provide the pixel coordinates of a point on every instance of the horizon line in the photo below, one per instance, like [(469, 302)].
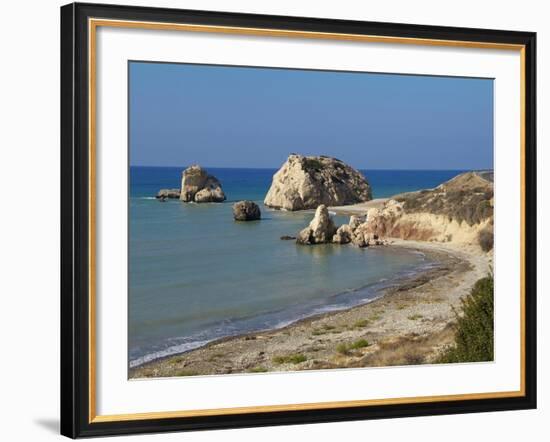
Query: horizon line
[(359, 168)]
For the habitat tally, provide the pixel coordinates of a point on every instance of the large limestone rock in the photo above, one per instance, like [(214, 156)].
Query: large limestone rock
[(306, 182), (246, 211), (198, 186), (321, 229)]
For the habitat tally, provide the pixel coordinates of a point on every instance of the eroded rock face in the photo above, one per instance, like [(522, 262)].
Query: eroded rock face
[(321, 229), (359, 232), (198, 186), (246, 211), (459, 211), (343, 235), (307, 182)]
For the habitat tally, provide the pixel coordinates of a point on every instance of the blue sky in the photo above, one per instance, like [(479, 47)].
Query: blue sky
[(220, 116)]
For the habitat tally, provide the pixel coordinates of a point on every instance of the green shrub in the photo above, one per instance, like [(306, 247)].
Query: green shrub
[(474, 334), (290, 359), (486, 239), (344, 348), (186, 373), (361, 343)]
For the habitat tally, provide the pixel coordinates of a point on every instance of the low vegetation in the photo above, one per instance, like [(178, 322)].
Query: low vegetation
[(361, 323), (346, 348), (486, 239), (474, 335), (467, 197), (470, 206), (186, 373), (415, 317), (290, 359)]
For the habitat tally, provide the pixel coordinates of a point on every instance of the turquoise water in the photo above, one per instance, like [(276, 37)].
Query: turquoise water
[(196, 275)]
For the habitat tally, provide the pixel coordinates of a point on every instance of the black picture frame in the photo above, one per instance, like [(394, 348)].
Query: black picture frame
[(75, 220)]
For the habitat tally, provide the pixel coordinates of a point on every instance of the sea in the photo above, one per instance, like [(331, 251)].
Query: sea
[(196, 275)]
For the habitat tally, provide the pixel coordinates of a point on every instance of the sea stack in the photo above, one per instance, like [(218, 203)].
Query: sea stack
[(200, 187), (246, 211), (321, 229), (305, 182)]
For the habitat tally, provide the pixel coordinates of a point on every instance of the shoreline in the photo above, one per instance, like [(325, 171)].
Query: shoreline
[(406, 323)]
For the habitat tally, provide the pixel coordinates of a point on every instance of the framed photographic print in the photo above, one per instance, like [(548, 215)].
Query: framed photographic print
[(274, 220)]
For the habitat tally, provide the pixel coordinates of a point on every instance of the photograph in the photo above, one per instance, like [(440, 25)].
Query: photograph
[(282, 220)]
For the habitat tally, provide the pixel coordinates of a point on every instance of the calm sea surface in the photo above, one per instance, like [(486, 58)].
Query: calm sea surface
[(196, 275)]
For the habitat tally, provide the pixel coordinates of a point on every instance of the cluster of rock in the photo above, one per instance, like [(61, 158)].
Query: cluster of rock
[(196, 186), (459, 210), (305, 182), (246, 211), (164, 194), (322, 230), (200, 187)]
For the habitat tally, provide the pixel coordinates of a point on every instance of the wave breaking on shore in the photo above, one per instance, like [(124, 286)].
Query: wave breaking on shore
[(279, 319)]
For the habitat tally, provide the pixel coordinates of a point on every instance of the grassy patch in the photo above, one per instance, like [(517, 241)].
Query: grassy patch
[(215, 356), (257, 370), (474, 335), (361, 323), (186, 373), (375, 317), (346, 348), (290, 359), (324, 329), (415, 317), (471, 205)]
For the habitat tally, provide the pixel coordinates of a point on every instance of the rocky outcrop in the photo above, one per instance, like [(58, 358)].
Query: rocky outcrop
[(321, 229), (343, 235), (168, 193), (305, 182), (246, 211), (198, 186), (459, 210), (356, 232)]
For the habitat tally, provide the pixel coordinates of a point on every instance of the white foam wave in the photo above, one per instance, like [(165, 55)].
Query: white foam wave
[(174, 349)]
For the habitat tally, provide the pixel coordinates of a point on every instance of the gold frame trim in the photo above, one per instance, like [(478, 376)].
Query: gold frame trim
[(93, 24)]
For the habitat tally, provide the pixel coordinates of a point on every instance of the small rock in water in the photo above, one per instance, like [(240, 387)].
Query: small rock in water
[(321, 229), (287, 237), (246, 211), (168, 193)]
